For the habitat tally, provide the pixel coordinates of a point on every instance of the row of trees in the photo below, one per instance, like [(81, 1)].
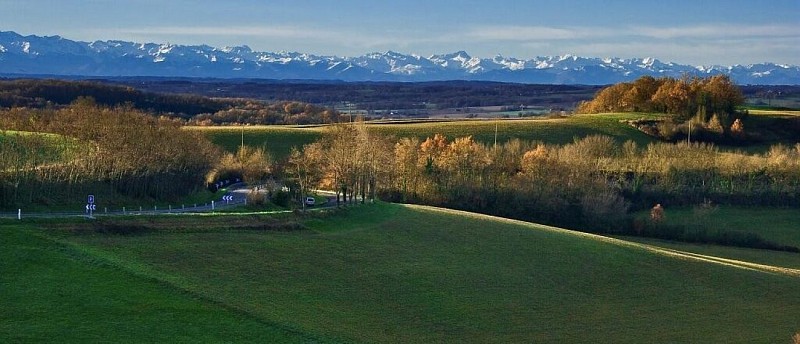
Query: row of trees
[(256, 112), (54, 93), (591, 183), (61, 155), (182, 108)]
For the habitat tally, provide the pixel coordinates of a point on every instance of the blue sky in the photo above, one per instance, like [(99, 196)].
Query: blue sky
[(693, 32)]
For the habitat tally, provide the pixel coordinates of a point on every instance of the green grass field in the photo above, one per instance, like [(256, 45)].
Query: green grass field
[(280, 139), (383, 273), (554, 131), (53, 292), (39, 148), (780, 225)]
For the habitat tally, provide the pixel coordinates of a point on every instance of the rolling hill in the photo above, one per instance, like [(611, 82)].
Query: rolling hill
[(393, 273)]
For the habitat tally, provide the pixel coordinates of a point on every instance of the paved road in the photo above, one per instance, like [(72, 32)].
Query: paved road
[(238, 193)]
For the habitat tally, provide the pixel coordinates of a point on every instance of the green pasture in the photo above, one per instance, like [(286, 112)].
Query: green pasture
[(56, 292), (379, 273), (779, 225), (280, 139), (554, 131)]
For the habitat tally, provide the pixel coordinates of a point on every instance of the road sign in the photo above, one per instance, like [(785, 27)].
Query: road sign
[(91, 199), (91, 207), (227, 198)]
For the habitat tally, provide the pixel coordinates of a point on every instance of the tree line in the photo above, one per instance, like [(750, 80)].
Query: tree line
[(181, 108), (593, 184)]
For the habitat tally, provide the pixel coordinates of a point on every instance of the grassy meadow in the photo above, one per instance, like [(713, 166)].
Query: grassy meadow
[(280, 139), (379, 273), (58, 292), (780, 225)]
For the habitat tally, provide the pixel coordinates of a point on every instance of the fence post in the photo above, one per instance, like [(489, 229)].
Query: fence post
[(212, 205), (19, 214), (123, 210)]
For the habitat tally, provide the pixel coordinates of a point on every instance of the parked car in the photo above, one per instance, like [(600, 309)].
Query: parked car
[(310, 201)]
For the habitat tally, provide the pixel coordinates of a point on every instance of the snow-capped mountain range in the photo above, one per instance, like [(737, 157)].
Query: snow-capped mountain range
[(55, 55)]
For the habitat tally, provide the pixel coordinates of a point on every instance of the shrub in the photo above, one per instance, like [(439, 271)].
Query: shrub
[(604, 210), (657, 213), (256, 198), (280, 198)]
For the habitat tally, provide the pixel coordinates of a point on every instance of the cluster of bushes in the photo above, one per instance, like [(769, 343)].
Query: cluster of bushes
[(701, 108)]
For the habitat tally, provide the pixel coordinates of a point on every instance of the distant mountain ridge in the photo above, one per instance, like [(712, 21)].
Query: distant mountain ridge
[(55, 55)]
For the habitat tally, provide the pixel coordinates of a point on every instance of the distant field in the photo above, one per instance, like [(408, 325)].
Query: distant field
[(391, 273), (775, 112), (280, 139), (556, 131)]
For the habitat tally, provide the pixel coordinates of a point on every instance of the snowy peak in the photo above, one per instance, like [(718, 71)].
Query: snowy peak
[(59, 56)]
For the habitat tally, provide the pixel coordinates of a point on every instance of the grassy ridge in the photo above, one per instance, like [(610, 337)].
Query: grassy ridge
[(279, 140), (56, 293), (390, 273)]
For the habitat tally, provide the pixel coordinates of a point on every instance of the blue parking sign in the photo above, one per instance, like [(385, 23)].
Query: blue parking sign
[(91, 199)]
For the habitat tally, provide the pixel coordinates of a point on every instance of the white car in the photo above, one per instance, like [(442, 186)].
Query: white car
[(310, 201)]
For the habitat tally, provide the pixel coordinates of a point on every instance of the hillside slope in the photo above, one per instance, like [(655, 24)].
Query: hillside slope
[(394, 273)]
